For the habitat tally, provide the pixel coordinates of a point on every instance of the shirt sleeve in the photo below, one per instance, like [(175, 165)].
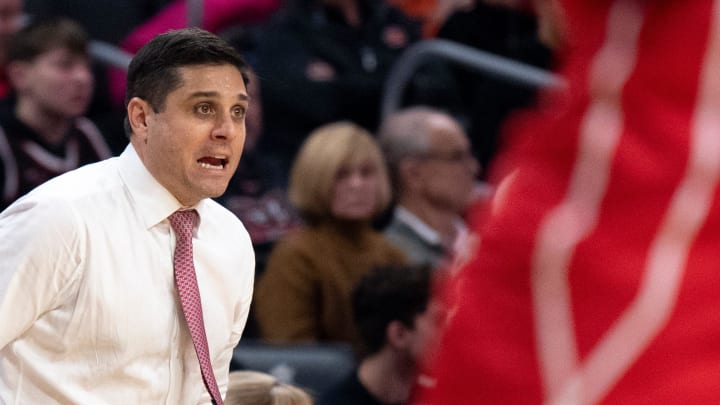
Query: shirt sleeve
[(40, 251)]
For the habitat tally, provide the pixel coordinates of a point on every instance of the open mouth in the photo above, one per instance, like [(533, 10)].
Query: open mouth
[(212, 162)]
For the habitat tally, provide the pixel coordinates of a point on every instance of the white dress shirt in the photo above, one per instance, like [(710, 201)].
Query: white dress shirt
[(89, 313)]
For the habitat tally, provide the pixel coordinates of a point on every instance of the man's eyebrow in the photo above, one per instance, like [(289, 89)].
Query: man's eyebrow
[(210, 94)]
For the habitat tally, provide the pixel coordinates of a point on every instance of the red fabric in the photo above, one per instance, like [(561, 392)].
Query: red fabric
[(648, 209), (422, 10), (217, 14), (183, 223), (416, 8)]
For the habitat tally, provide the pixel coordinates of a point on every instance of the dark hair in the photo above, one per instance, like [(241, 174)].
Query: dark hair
[(153, 71), (43, 35), (387, 294)]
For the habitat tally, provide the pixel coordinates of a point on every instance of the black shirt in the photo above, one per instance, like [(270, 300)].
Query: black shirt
[(349, 391)]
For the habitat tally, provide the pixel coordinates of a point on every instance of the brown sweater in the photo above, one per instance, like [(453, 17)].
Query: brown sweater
[(305, 292)]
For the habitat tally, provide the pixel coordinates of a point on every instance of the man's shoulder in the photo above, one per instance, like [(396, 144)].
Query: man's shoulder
[(71, 198), (220, 212), (222, 219), (74, 194), (86, 181)]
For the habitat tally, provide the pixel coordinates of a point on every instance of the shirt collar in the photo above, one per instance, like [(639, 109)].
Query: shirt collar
[(424, 230), (416, 224), (154, 202)]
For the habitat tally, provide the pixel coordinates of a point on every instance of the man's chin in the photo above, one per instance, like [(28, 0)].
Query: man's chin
[(215, 192)]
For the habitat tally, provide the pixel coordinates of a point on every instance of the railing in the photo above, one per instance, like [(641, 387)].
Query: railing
[(100, 51), (403, 70), (480, 61), (109, 54)]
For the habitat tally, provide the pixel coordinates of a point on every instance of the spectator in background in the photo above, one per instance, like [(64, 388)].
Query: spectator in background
[(256, 388), (106, 21), (339, 184), (399, 322), (42, 129), (507, 28), (324, 61), (435, 178), (216, 16), (10, 19)]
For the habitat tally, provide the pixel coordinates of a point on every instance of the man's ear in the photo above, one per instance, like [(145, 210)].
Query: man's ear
[(410, 173), (138, 112), (17, 74), (397, 334)]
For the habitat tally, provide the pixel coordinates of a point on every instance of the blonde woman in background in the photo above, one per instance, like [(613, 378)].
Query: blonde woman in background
[(256, 388), (339, 183)]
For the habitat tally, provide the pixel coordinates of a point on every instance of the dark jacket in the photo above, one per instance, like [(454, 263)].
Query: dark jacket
[(315, 68), (26, 160)]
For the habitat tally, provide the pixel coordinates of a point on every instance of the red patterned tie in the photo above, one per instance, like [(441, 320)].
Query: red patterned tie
[(183, 223)]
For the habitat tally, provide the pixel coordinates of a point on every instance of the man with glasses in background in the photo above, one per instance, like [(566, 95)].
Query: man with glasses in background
[(435, 179)]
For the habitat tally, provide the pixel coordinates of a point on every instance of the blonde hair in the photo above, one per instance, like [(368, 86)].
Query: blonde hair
[(256, 388), (327, 150)]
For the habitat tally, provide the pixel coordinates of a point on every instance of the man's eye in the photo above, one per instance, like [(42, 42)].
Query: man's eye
[(204, 109), (238, 112)]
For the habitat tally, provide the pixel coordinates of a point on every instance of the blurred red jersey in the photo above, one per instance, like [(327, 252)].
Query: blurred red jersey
[(596, 279)]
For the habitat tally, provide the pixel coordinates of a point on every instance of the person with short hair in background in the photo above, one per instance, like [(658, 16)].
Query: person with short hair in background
[(435, 176), (399, 321), (43, 132)]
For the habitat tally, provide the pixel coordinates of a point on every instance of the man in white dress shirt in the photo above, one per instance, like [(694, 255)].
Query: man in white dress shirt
[(89, 311)]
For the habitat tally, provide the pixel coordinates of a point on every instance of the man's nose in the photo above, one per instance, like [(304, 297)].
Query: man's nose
[(226, 128)]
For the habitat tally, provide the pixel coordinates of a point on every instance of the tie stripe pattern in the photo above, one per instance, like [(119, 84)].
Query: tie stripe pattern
[(183, 223)]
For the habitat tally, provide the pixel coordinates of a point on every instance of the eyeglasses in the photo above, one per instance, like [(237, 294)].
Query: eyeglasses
[(454, 156)]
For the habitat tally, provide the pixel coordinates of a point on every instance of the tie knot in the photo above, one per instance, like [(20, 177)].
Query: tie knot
[(183, 222)]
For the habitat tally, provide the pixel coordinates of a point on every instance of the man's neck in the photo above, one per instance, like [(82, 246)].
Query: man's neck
[(387, 377), (52, 128)]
